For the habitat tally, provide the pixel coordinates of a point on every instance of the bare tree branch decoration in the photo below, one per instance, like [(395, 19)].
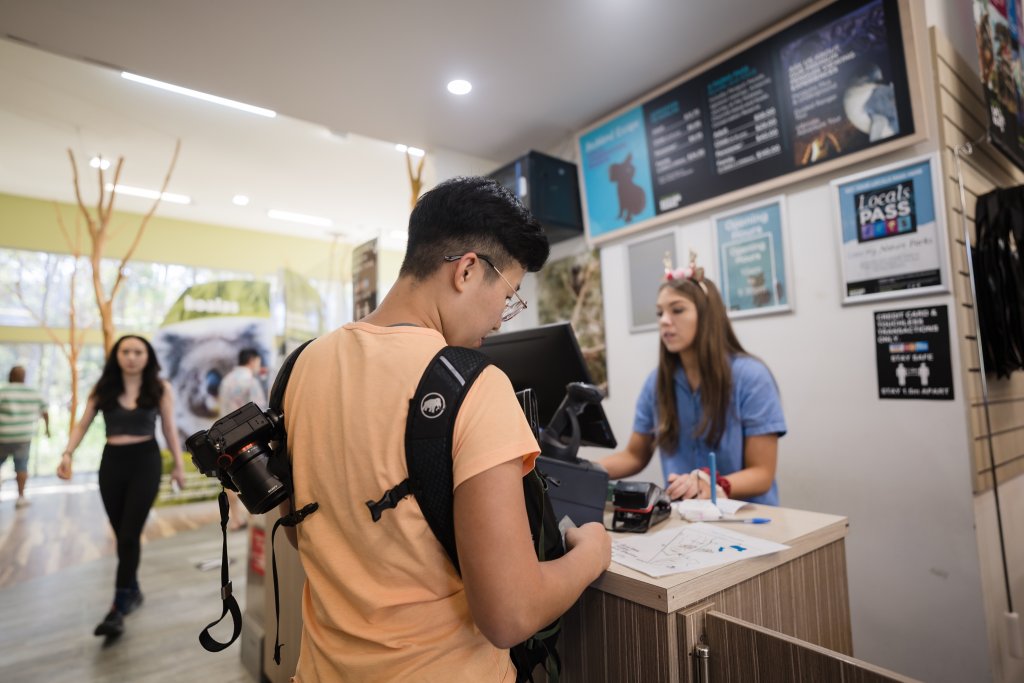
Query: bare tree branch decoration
[(415, 180), (98, 227)]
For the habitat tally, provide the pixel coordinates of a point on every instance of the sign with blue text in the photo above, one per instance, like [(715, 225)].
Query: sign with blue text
[(750, 244), (891, 231)]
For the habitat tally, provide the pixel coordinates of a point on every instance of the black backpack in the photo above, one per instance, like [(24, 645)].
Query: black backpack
[(428, 454)]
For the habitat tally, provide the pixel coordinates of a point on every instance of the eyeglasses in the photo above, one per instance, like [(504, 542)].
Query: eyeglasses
[(512, 306)]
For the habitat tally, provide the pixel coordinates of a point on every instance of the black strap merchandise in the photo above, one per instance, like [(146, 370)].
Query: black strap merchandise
[(999, 278)]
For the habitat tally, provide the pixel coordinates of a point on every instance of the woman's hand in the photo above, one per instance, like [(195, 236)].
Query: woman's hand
[(682, 486), (64, 468), (178, 475)]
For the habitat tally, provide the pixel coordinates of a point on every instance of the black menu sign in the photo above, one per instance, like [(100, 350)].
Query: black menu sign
[(829, 85)]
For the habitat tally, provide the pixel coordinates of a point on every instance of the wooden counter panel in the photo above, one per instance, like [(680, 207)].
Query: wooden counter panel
[(609, 638), (803, 531), (741, 652)]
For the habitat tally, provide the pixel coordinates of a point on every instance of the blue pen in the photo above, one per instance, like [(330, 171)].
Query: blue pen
[(714, 478), (748, 520)]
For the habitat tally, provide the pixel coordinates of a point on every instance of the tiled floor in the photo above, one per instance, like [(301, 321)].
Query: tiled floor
[(56, 573)]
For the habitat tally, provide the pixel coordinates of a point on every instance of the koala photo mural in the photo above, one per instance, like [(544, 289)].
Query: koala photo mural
[(199, 341)]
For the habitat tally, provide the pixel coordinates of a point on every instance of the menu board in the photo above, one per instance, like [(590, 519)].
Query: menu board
[(832, 84)]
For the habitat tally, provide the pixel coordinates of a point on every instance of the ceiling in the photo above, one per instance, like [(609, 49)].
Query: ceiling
[(349, 80)]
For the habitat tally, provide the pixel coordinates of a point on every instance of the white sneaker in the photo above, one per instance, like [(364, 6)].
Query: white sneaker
[(22, 503)]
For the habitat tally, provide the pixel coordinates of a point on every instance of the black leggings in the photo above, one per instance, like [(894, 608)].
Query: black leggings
[(129, 481)]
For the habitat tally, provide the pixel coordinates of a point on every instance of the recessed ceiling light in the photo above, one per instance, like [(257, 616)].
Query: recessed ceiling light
[(269, 113), (240, 200), (149, 194), (303, 218), (459, 87), (413, 151), (99, 162)]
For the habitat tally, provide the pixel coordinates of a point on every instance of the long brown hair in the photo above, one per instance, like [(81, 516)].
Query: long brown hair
[(715, 343), (111, 382)]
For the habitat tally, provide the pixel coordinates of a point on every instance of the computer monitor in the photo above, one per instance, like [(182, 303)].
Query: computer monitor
[(546, 359)]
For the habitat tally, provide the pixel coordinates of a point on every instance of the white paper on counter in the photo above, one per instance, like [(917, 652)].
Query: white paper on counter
[(694, 546)]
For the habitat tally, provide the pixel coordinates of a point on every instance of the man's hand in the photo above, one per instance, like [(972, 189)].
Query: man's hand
[(591, 538)]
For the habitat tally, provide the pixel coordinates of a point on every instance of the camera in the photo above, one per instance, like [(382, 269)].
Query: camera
[(236, 449)]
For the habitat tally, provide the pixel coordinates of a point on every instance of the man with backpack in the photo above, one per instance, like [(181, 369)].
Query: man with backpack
[(383, 599)]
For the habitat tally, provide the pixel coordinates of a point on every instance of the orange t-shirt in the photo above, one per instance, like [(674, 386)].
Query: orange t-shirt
[(382, 601)]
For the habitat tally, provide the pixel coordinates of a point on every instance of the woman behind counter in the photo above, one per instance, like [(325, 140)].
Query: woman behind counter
[(707, 395), (131, 395)]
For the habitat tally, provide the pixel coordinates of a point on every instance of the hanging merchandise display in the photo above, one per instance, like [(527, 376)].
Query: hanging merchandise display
[(999, 278)]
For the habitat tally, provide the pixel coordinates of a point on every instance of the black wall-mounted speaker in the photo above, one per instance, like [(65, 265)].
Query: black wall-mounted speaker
[(549, 188)]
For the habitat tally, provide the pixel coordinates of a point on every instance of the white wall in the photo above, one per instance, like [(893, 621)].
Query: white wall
[(897, 469)]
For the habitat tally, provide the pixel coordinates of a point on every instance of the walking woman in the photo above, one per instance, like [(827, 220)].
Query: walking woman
[(708, 395), (130, 394)]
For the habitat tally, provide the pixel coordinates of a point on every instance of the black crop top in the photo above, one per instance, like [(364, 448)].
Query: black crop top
[(138, 422)]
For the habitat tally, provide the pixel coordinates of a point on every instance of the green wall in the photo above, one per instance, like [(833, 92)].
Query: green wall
[(27, 223)]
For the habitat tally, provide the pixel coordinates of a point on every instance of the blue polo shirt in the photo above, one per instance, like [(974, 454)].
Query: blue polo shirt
[(754, 409)]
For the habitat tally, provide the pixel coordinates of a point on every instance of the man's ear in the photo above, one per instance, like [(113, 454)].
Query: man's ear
[(466, 269)]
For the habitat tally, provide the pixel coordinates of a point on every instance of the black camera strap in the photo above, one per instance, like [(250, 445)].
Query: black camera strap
[(209, 643), (288, 520), (280, 467)]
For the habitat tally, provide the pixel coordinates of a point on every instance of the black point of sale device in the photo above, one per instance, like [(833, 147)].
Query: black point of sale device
[(639, 505)]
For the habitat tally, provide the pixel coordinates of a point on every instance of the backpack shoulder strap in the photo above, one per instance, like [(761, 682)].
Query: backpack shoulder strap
[(428, 437), (428, 441), (276, 401)]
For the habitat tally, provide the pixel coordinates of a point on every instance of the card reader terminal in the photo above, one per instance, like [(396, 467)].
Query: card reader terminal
[(638, 505)]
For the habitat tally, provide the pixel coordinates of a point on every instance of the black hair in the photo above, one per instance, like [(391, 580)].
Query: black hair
[(246, 355), (111, 383), (472, 214)]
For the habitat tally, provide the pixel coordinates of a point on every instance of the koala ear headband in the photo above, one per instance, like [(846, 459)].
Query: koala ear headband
[(691, 272)]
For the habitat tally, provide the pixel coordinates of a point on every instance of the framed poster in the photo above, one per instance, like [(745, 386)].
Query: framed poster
[(646, 273), (364, 279), (833, 85), (753, 258), (891, 231), (999, 29)]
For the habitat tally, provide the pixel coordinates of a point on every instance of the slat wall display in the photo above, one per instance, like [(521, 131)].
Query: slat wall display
[(962, 118), (832, 85)]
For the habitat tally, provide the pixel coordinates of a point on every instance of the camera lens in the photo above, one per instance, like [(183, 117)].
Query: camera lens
[(259, 489)]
